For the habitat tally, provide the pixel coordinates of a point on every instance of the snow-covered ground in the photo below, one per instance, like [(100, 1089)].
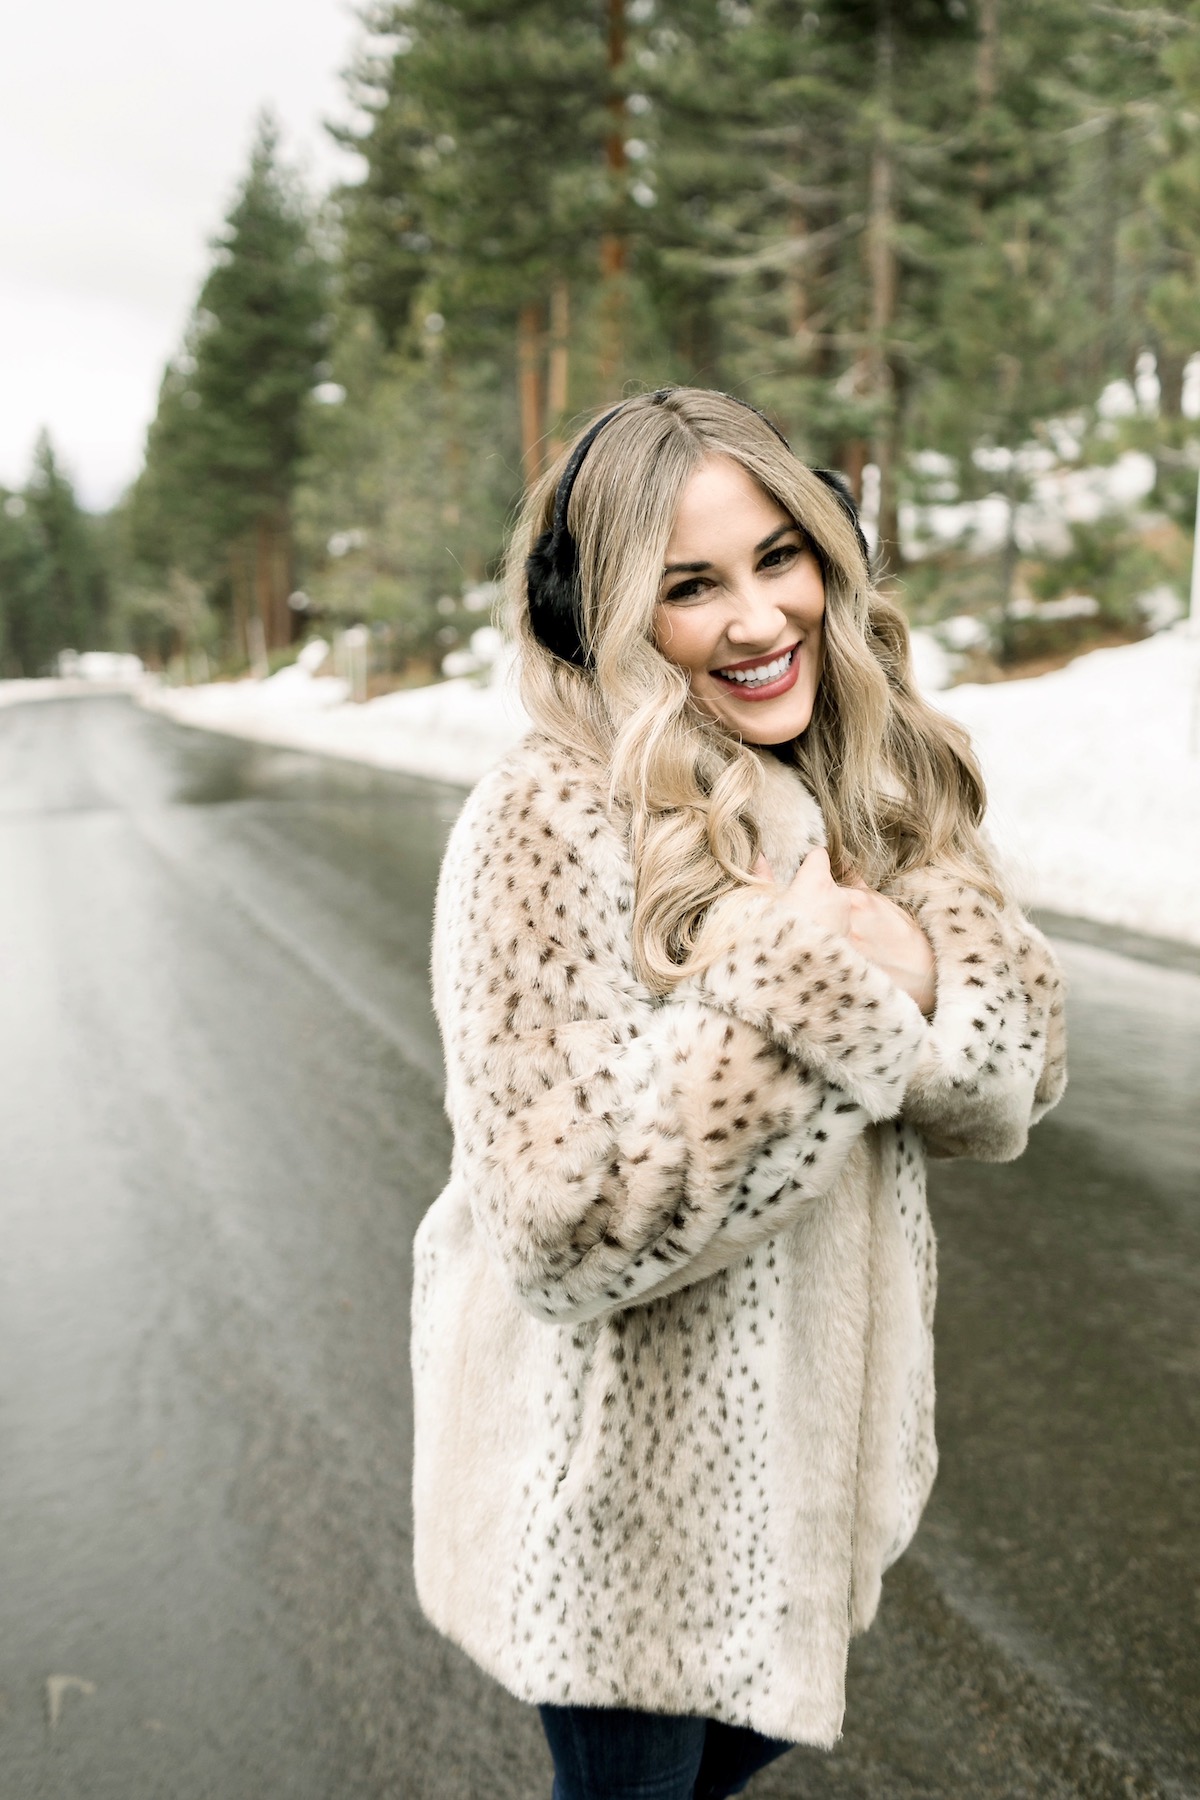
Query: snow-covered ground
[(57, 687), (1093, 777), (452, 731), (1093, 771)]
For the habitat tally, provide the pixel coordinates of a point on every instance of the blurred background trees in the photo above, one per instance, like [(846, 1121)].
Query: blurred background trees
[(952, 245), (214, 502), (54, 572)]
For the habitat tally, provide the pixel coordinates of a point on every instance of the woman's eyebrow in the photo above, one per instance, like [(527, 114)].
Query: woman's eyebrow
[(686, 568), (780, 531), (698, 568)]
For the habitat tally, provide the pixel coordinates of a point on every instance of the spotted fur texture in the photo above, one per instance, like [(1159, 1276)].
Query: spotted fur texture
[(672, 1328)]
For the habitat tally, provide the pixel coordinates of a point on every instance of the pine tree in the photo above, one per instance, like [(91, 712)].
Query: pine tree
[(225, 447), (499, 193), (25, 645), (403, 499), (53, 584)]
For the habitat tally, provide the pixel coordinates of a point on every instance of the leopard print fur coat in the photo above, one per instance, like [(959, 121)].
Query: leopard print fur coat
[(672, 1317)]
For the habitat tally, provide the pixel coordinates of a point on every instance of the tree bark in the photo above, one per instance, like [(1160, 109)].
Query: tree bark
[(987, 62), (882, 270), (1171, 366), (853, 461), (797, 283), (1009, 557), (286, 621), (238, 596), (1107, 345), (987, 55), (454, 450), (264, 578), (529, 348), (614, 250), (558, 384)]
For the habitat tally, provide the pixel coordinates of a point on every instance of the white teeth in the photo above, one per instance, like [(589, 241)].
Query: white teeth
[(758, 677)]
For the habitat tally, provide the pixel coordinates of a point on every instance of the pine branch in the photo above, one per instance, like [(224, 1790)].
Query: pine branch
[(779, 255)]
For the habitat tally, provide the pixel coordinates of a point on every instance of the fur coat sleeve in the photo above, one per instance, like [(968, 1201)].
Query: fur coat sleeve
[(993, 1058), (615, 1145)]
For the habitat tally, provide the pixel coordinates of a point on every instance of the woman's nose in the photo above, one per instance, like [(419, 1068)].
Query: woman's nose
[(755, 618)]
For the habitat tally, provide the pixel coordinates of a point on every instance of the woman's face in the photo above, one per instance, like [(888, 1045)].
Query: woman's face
[(742, 605)]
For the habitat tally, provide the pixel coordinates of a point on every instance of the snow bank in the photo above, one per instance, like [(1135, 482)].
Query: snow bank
[(452, 731), (57, 687), (1093, 772), (1093, 777)]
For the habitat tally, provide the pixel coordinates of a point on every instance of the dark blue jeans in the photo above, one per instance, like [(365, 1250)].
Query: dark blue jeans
[(610, 1753)]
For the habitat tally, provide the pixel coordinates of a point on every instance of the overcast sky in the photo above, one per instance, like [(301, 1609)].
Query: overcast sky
[(124, 129)]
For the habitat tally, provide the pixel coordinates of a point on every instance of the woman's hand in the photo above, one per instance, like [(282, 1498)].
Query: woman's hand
[(874, 925), (891, 938), (814, 894)]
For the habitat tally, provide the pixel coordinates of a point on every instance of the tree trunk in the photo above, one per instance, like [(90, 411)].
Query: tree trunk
[(614, 251), (1106, 260), (267, 582), (1171, 366), (987, 59), (529, 346), (797, 284), (883, 281), (558, 385), (285, 621), (456, 456), (887, 456), (1009, 557), (238, 597), (852, 462)]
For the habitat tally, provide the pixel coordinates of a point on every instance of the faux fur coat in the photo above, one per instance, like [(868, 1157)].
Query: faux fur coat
[(672, 1344)]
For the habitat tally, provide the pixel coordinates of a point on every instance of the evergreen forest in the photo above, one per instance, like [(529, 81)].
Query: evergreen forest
[(952, 246)]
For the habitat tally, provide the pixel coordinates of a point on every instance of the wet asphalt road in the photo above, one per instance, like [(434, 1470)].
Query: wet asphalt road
[(220, 1122)]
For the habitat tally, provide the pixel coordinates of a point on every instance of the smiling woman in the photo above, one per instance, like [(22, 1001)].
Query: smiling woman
[(672, 1314)]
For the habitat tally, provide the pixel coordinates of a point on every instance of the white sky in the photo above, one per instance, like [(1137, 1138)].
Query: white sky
[(124, 129)]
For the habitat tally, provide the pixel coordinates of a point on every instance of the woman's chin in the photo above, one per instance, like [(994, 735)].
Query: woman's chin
[(765, 721)]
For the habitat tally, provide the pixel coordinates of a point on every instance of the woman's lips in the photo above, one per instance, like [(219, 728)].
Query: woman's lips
[(765, 690)]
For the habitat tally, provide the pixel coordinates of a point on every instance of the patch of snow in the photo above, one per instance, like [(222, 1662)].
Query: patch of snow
[(1117, 401), (1093, 776), (58, 687), (313, 655), (1058, 498), (293, 686), (459, 662), (106, 666), (482, 597), (1146, 384), (486, 648), (933, 665), (1160, 606), (1070, 606), (1190, 399), (964, 632), (452, 731)]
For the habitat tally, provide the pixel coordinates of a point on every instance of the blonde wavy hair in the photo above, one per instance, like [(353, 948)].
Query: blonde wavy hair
[(896, 781)]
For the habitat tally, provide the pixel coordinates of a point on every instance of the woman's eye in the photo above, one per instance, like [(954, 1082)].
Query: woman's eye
[(686, 590), (781, 555)]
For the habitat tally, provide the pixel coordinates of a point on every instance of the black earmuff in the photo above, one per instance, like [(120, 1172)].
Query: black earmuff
[(552, 566), (844, 494)]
